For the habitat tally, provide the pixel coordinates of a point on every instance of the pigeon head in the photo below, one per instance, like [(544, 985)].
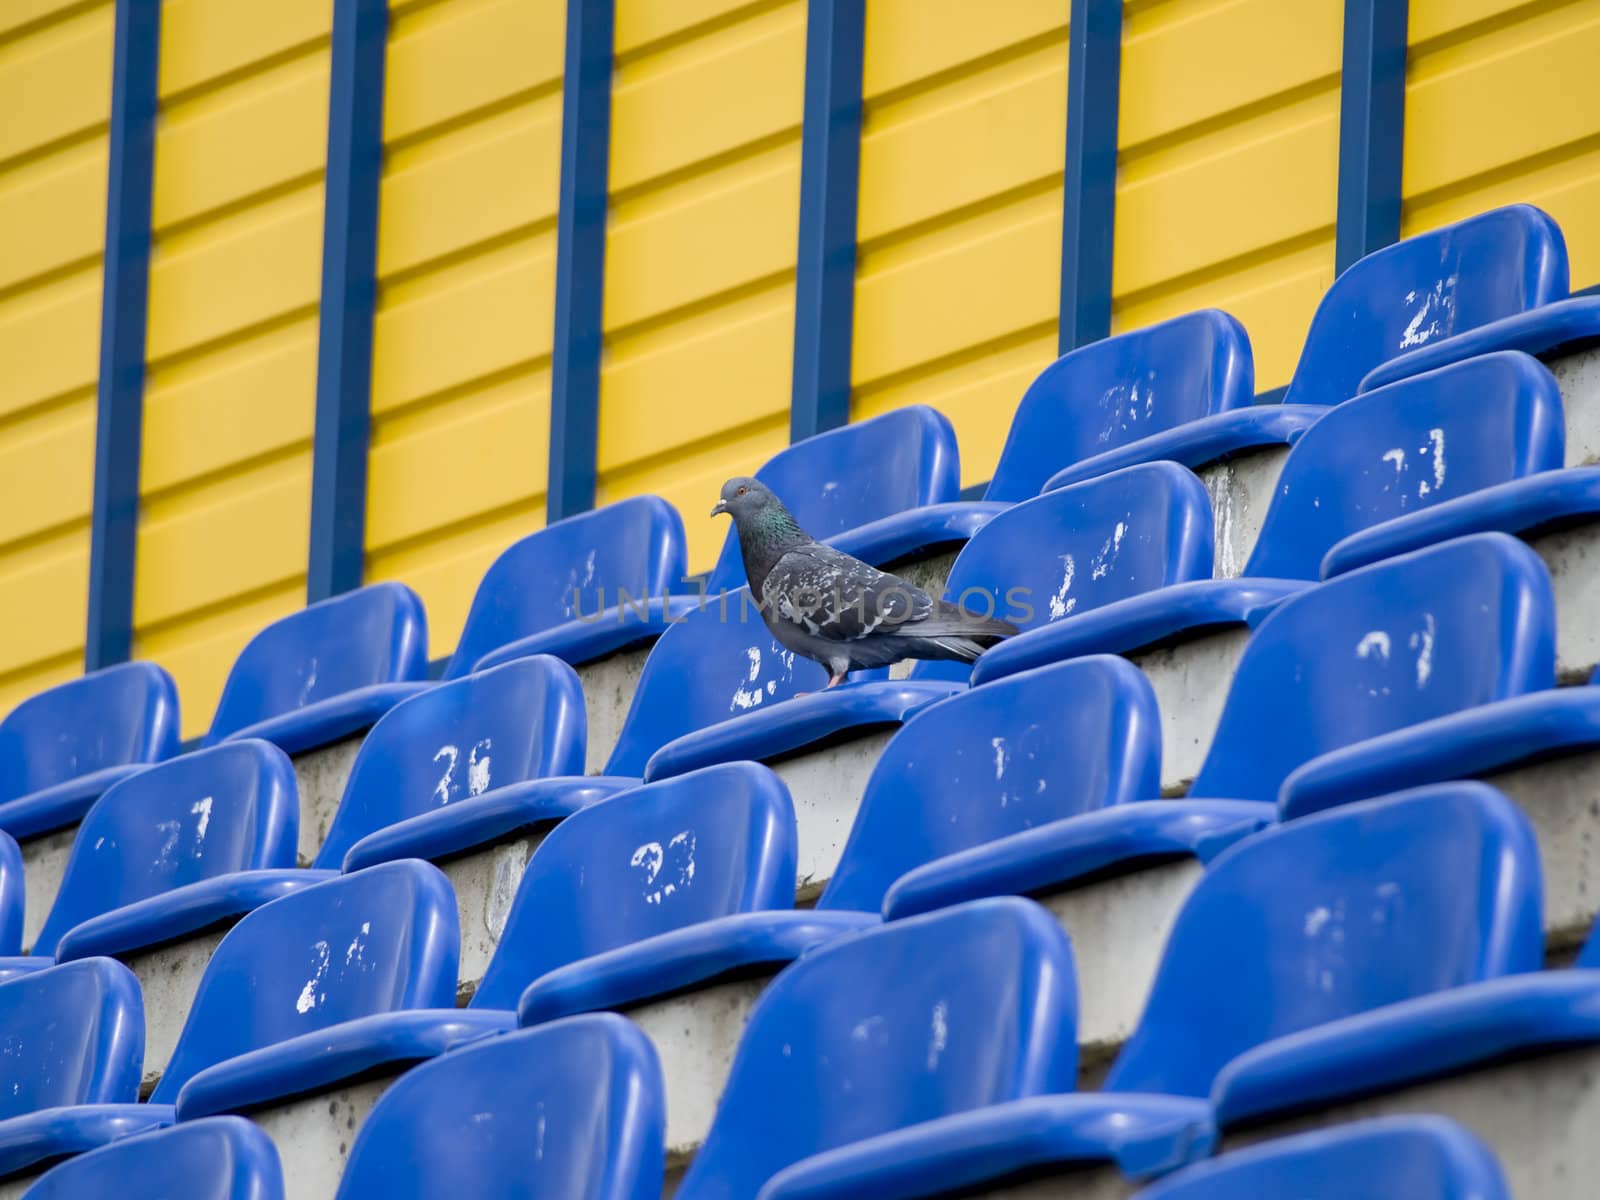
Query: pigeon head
[(756, 512)]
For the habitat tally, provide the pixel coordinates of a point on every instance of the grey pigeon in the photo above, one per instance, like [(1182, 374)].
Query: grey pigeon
[(838, 610)]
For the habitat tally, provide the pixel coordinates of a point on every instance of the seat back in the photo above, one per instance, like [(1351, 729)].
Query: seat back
[(571, 1109), (1405, 447), (1402, 641), (1120, 389), (74, 1034), (857, 473), (109, 718), (523, 720), (230, 808), (1395, 1158), (1424, 288), (917, 1019), (380, 940), (376, 634), (692, 848), (575, 567), (1080, 547), (1034, 747), (217, 1158), (1330, 916)]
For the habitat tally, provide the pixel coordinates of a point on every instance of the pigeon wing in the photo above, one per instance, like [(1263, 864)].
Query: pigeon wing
[(830, 595)]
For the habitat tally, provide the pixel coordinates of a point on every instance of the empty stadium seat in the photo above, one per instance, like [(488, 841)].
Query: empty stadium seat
[(890, 1027), (565, 590), (60, 749), (880, 489), (327, 671), (1427, 287), (219, 1158), (320, 986), (11, 896), (1394, 1158), (1435, 632), (1112, 537), (178, 848), (63, 747), (74, 1041), (1405, 448), (500, 734), (570, 1110), (1373, 904)]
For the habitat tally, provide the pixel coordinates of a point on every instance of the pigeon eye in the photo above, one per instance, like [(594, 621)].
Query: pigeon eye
[(742, 491)]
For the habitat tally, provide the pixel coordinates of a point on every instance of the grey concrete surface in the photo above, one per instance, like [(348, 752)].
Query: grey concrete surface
[(168, 978), (44, 862), (320, 776), (1191, 682)]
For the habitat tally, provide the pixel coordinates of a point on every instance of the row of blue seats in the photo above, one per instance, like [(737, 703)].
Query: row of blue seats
[(1178, 392), (978, 790), (1344, 954)]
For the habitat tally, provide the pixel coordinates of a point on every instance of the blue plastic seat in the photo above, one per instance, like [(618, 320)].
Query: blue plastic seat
[(880, 489), (1390, 303), (220, 1158), (74, 1048), (1067, 739), (504, 745), (571, 1110), (717, 688), (1402, 449), (616, 894), (890, 1027), (177, 848), (326, 672), (1307, 923), (573, 588), (1405, 641), (1395, 1158), (12, 897), (63, 747), (1552, 330), (327, 983)]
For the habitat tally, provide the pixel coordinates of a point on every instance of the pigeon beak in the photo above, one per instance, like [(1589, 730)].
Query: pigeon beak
[(719, 508)]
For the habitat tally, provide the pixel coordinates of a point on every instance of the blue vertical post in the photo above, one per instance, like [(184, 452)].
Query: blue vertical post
[(1372, 128), (825, 269), (580, 259), (349, 298), (1088, 222), (119, 402)]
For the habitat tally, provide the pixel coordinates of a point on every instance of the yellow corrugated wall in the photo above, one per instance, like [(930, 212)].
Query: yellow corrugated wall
[(231, 383), (1228, 167), (707, 102), (55, 100), (466, 265), (958, 276), (1503, 105)]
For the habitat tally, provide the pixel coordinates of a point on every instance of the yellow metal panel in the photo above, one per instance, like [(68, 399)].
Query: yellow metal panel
[(709, 97), (699, 299), (1430, 19), (1229, 167), (1507, 110), (449, 60), (55, 71), (207, 40), (226, 146), (55, 83), (52, 212), (230, 391), (466, 264), (49, 339), (958, 277)]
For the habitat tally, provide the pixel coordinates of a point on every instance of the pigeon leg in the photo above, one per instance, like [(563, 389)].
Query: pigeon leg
[(836, 678)]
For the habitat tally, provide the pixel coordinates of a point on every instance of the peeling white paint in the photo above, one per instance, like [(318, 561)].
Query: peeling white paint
[(864, 1031), (940, 1034), (1376, 642), (1422, 643), (1060, 603), (1436, 441), (478, 768), (169, 843), (1397, 458), (311, 680), (754, 655), (203, 809), (748, 697), (442, 788), (999, 745), (1316, 919), (1108, 552), (310, 997)]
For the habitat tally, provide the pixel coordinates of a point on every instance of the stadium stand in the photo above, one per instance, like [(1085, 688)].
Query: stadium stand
[(1261, 862)]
